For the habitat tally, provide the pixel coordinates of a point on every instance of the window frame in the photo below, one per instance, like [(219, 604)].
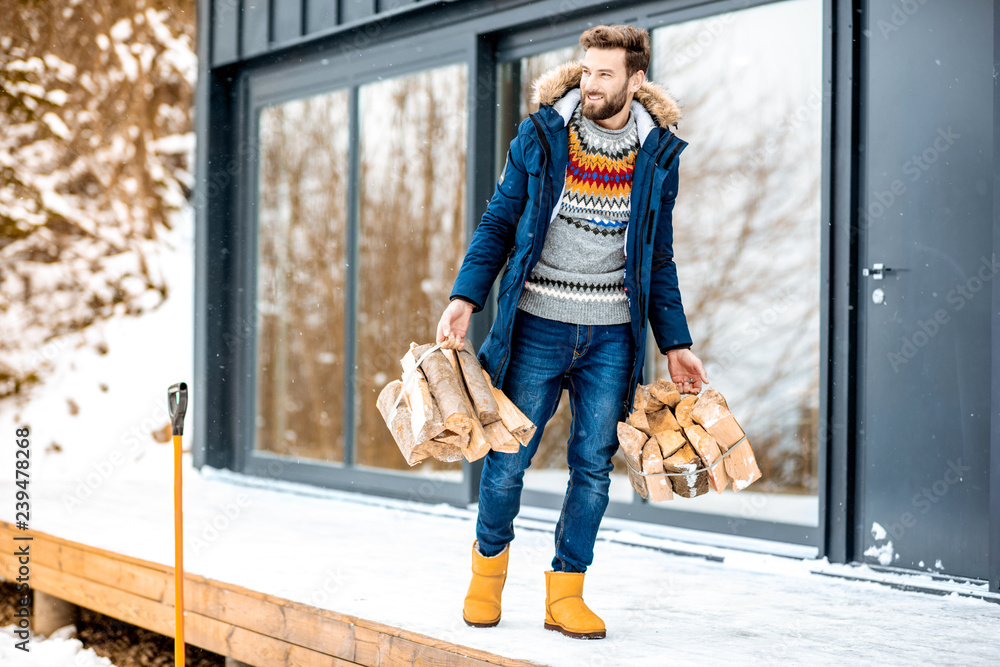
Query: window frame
[(327, 72)]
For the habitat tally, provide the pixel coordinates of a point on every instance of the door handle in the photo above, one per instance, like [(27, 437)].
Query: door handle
[(877, 271)]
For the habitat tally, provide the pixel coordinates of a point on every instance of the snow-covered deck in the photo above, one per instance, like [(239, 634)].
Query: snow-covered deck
[(370, 567), (244, 624)]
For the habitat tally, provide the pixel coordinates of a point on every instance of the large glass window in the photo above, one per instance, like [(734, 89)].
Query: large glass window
[(412, 235), (301, 279), (747, 235)]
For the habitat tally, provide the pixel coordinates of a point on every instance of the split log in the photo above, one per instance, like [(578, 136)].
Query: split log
[(712, 412), (443, 451), (682, 411), (480, 390), (452, 438), (399, 424), (665, 392), (644, 400), (662, 420), (640, 420), (478, 446), (741, 466), (708, 450), (500, 439), (447, 389), (513, 419), (670, 442), (632, 441), (652, 463), (688, 483), (424, 411)]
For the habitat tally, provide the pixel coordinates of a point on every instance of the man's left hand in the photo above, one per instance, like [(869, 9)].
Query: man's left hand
[(686, 371)]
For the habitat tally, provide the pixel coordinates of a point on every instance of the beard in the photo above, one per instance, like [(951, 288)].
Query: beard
[(608, 107)]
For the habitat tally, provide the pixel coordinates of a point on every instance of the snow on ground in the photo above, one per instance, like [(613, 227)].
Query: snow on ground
[(59, 650), (107, 394), (407, 564)]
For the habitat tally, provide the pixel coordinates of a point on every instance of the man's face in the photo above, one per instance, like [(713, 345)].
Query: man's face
[(605, 84)]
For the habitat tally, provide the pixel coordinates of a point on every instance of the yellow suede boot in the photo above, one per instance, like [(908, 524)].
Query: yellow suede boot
[(565, 610), (482, 604)]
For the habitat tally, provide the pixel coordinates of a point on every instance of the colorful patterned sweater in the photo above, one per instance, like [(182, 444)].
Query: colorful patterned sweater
[(580, 277)]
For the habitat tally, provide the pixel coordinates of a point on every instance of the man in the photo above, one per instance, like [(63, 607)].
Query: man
[(582, 217)]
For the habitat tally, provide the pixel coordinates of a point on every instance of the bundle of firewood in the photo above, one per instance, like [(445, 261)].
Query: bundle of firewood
[(449, 409), (671, 442)]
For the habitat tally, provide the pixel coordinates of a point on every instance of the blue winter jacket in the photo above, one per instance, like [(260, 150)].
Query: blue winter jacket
[(513, 228)]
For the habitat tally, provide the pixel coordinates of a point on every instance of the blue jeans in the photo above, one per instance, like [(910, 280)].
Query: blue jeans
[(594, 362)]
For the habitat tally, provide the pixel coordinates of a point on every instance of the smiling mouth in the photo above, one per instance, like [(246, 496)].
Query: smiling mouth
[(595, 98)]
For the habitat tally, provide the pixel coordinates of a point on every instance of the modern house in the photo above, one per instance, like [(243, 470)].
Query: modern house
[(836, 233)]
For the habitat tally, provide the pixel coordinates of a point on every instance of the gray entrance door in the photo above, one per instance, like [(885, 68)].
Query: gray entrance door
[(926, 239)]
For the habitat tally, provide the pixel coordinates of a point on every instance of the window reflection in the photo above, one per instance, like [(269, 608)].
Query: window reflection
[(301, 225), (412, 235), (747, 234)]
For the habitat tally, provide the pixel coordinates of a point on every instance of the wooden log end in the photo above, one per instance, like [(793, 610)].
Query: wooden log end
[(741, 466), (500, 439), (670, 442), (644, 400), (686, 482), (709, 408), (709, 452), (662, 420), (682, 411), (639, 420), (665, 392), (524, 435)]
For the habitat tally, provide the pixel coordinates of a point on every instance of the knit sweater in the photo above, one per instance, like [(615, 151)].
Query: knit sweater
[(580, 277)]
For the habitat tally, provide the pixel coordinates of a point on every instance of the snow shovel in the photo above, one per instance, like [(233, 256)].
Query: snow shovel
[(177, 401)]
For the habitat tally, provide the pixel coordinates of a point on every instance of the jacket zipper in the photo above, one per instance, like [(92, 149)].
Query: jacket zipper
[(649, 234), (638, 270), (650, 223), (546, 151)]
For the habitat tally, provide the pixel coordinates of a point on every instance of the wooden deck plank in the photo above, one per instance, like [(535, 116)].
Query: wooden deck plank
[(211, 634), (306, 635), (148, 582)]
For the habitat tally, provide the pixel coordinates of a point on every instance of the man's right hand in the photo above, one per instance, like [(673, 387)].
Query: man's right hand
[(454, 324)]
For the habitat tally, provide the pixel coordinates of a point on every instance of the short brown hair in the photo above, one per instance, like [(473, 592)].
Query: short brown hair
[(634, 40)]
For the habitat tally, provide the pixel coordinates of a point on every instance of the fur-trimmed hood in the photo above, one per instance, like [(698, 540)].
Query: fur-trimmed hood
[(556, 84)]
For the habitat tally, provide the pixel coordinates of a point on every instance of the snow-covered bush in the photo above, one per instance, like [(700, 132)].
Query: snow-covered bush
[(95, 102)]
